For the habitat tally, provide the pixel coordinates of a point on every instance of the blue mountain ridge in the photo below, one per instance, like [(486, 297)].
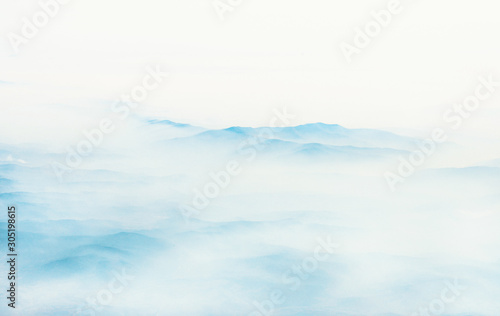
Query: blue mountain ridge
[(316, 138)]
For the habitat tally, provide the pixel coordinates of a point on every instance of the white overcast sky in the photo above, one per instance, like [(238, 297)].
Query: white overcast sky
[(266, 54)]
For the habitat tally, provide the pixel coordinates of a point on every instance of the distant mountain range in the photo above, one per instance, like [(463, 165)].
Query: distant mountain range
[(314, 133)]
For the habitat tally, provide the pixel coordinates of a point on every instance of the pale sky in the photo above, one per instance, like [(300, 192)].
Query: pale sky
[(266, 54)]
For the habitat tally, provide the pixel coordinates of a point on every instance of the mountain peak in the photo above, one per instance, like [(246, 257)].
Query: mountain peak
[(168, 122)]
